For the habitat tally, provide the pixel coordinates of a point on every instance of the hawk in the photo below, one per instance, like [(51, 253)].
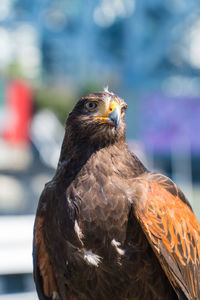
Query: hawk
[(106, 227)]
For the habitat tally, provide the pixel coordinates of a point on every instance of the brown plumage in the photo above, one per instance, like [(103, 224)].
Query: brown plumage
[(107, 228)]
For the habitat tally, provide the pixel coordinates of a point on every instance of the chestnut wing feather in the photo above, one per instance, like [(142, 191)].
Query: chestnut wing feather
[(43, 273), (173, 232)]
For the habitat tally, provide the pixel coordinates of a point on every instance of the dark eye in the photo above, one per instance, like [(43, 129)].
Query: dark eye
[(91, 105)]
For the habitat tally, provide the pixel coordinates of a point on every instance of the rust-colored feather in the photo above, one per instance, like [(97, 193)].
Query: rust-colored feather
[(169, 222), (43, 262), (47, 288)]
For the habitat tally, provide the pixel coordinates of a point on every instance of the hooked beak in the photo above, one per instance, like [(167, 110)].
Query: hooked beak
[(114, 116)]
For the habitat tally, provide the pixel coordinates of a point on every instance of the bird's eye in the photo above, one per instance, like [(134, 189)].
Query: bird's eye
[(91, 105)]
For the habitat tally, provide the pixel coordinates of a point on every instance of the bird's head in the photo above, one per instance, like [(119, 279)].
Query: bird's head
[(98, 118)]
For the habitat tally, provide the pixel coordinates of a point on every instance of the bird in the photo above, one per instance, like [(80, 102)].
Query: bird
[(106, 227)]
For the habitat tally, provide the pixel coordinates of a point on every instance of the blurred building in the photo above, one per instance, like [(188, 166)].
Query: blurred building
[(145, 43)]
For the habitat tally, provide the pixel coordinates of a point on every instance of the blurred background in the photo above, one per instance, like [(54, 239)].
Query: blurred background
[(54, 51)]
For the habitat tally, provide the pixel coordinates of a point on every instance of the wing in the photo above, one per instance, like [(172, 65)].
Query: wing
[(43, 273), (44, 278), (172, 230)]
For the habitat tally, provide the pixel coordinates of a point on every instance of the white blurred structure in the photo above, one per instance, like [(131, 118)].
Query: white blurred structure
[(47, 134), (16, 244), (16, 250), (23, 296)]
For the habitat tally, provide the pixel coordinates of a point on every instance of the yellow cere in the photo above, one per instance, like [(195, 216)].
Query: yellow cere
[(105, 110), (112, 106)]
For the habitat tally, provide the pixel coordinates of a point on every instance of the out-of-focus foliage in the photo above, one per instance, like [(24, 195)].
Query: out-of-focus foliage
[(15, 70), (90, 87), (60, 101)]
